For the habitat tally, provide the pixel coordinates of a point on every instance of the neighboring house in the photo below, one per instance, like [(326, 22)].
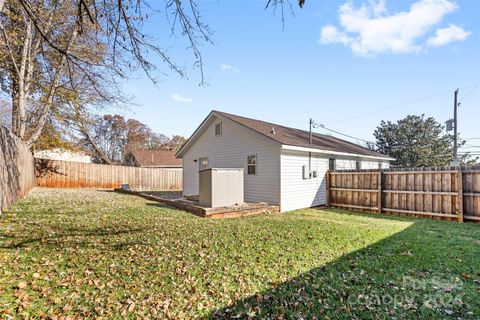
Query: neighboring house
[(280, 165), (152, 159), (63, 155)]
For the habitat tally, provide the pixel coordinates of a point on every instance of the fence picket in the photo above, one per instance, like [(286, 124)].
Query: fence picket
[(90, 175), (450, 194), (17, 172)]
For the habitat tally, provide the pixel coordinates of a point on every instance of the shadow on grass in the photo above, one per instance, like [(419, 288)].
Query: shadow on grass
[(426, 271), (70, 236), (383, 216)]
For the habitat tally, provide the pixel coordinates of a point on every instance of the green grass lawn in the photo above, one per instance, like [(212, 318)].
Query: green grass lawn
[(102, 254)]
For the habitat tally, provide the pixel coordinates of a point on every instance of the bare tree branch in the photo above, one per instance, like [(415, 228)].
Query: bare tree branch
[(76, 50), (10, 49), (121, 21), (51, 93), (86, 133)]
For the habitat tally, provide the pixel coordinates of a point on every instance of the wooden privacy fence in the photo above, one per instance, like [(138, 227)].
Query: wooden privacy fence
[(65, 174), (17, 172), (451, 193)]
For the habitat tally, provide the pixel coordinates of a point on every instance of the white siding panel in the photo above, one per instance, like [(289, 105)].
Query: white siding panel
[(345, 164), (385, 165), (364, 164), (350, 164), (296, 192), (231, 150)]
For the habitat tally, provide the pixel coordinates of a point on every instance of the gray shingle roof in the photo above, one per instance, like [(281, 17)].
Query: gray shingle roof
[(300, 138), (156, 158)]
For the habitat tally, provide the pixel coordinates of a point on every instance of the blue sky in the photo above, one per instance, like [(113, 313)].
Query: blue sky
[(334, 61)]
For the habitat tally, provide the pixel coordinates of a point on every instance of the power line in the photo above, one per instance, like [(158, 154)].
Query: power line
[(389, 108), (344, 134), (398, 105), (469, 146), (316, 125), (475, 87)]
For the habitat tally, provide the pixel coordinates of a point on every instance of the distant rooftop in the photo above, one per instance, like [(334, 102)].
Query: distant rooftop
[(155, 158)]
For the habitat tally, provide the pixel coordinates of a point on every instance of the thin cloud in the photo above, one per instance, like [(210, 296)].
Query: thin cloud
[(370, 29), (446, 35), (179, 98), (229, 67)]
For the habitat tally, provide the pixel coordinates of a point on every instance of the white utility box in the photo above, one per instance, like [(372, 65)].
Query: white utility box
[(220, 187)]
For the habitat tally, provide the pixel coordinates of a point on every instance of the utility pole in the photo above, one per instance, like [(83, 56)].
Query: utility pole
[(455, 132)]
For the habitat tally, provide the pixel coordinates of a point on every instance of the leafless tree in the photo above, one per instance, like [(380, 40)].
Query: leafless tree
[(45, 68), (64, 53), (121, 21)]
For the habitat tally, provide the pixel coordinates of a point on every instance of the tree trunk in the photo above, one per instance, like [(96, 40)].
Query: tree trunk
[(19, 86), (89, 138), (15, 111), (51, 93), (22, 98)]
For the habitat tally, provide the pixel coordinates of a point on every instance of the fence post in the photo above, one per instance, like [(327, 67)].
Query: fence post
[(460, 194), (328, 188), (379, 201)]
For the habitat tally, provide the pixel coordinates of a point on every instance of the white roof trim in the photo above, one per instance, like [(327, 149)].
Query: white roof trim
[(200, 128), (194, 136), (295, 148)]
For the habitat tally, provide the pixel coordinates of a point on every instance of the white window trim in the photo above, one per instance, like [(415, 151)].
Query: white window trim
[(221, 129)]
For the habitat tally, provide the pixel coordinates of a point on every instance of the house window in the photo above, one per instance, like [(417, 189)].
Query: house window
[(252, 164), (202, 164), (331, 164), (357, 165), (218, 129)]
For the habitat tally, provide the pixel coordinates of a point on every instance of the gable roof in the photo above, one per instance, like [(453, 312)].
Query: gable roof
[(155, 158), (291, 137)]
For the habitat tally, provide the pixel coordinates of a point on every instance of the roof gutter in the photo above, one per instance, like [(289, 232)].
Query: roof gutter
[(295, 148)]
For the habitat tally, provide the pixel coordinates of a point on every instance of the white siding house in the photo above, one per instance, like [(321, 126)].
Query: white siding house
[(297, 192), (280, 166), (231, 149), (60, 154)]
